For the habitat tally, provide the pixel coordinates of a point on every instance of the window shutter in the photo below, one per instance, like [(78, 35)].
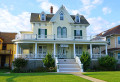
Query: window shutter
[(80, 32), (74, 32), (39, 31), (45, 33)]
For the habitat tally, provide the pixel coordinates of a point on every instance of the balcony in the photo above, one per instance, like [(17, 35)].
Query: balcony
[(6, 52), (54, 37)]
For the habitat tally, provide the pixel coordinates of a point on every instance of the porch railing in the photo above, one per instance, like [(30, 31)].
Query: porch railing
[(5, 52), (96, 56), (55, 37)]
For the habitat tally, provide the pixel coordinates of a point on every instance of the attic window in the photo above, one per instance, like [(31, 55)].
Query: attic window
[(77, 19), (61, 16)]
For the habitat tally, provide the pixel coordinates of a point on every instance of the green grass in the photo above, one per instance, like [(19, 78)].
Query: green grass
[(110, 76), (40, 77)]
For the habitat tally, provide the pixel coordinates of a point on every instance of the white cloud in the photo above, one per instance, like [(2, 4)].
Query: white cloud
[(12, 23), (97, 1), (97, 25), (45, 5), (106, 10)]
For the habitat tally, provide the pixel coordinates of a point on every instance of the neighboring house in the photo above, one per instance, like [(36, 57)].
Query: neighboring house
[(113, 38), (7, 49), (61, 34)]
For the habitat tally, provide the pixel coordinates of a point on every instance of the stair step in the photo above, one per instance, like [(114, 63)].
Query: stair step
[(70, 69), (62, 61), (68, 66)]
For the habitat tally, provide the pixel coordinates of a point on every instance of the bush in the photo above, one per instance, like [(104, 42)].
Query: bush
[(19, 63), (49, 61), (44, 69), (85, 59), (107, 62)]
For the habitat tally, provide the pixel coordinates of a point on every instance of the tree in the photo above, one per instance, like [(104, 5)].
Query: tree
[(85, 59)]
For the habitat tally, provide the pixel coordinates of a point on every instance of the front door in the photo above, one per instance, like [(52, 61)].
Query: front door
[(62, 52), (3, 58)]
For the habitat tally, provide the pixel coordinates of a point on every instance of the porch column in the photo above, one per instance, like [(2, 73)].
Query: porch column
[(35, 50), (17, 49), (74, 50), (100, 50), (106, 49), (54, 50), (91, 50)]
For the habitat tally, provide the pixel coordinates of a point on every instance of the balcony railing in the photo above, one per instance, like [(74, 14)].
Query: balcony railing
[(5, 52), (54, 37), (96, 56)]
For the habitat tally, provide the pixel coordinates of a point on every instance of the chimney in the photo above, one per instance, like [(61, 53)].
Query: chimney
[(51, 9)]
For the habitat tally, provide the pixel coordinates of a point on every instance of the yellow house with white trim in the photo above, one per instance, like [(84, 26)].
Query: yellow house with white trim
[(61, 34)]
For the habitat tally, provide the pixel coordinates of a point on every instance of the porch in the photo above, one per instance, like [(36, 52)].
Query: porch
[(59, 50)]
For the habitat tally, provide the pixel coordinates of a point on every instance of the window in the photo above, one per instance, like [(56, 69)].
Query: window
[(108, 40), (118, 55), (42, 33), (118, 40), (78, 50), (77, 19), (64, 32), (59, 32), (78, 34), (4, 46), (42, 50), (43, 17), (61, 16)]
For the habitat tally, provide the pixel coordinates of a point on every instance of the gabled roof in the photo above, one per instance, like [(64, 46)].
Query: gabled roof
[(35, 18), (7, 37), (113, 31)]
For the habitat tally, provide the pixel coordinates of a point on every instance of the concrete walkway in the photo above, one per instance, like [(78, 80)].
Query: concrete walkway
[(85, 77)]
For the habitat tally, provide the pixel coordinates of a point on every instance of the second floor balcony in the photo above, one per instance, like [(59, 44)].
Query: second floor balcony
[(56, 37), (6, 52)]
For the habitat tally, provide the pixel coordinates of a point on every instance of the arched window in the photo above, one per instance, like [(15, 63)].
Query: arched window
[(61, 16), (59, 32), (77, 19), (64, 32)]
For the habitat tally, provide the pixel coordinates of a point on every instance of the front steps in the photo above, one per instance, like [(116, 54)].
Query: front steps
[(68, 65)]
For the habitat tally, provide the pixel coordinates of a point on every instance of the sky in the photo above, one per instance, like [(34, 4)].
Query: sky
[(101, 14)]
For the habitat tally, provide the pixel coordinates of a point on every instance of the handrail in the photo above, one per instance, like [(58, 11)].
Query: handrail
[(5, 51), (55, 37), (79, 63), (56, 64)]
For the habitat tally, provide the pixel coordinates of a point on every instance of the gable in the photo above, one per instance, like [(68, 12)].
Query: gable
[(66, 14)]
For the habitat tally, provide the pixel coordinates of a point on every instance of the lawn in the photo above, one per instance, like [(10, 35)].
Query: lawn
[(40, 77), (111, 76)]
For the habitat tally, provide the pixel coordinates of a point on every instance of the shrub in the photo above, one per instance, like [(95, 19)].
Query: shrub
[(107, 62), (19, 63), (85, 59), (49, 61)]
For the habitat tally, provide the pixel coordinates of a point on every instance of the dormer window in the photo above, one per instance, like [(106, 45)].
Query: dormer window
[(61, 16), (43, 16), (77, 18)]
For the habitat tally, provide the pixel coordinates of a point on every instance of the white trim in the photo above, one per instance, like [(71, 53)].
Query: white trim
[(74, 50), (35, 50), (91, 50), (54, 50)]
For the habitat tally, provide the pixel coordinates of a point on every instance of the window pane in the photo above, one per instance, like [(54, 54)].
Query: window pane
[(42, 16), (61, 16), (77, 32), (64, 32), (118, 40), (118, 55), (42, 33), (77, 18), (59, 32)]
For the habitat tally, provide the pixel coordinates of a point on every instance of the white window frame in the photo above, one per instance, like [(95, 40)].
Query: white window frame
[(78, 52), (117, 55), (42, 49), (108, 40), (118, 39), (64, 32), (59, 33), (61, 16)]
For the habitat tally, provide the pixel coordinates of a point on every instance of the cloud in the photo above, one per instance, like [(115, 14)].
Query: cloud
[(45, 5), (12, 23), (106, 10), (98, 24)]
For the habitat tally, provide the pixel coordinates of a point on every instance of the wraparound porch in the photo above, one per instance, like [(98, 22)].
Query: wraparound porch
[(59, 50)]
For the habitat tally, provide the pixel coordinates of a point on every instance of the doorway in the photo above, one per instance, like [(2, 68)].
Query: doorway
[(3, 59)]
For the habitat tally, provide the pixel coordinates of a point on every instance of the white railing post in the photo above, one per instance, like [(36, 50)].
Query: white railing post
[(54, 50), (17, 49), (100, 50), (74, 50), (106, 50), (91, 50), (35, 50)]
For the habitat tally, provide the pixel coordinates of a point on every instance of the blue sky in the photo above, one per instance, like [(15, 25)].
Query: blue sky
[(101, 14)]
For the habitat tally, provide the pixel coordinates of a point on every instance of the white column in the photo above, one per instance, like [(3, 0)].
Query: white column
[(54, 50), (106, 49), (17, 49), (91, 50), (100, 50), (74, 50), (35, 50)]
